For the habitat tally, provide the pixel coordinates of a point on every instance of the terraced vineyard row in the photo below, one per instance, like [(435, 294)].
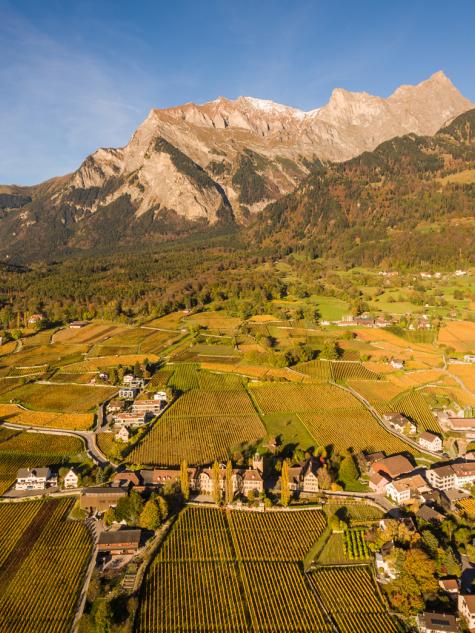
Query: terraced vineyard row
[(291, 398), (336, 370), (350, 596), (351, 428), (199, 440), (414, 406), (52, 549), (242, 572), (199, 402)]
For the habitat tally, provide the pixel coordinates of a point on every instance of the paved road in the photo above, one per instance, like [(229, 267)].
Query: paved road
[(89, 438), (387, 426)]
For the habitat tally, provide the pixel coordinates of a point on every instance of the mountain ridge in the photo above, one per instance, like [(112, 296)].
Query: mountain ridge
[(193, 166)]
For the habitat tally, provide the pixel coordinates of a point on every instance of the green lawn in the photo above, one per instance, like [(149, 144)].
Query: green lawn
[(289, 427)]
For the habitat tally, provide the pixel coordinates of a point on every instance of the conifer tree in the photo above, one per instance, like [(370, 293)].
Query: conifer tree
[(284, 484), (184, 481), (229, 482), (215, 481)]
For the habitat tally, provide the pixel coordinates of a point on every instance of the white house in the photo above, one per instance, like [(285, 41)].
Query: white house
[(400, 423), (403, 490), (252, 482), (469, 358), (151, 407), (128, 393), (397, 363), (123, 434), (430, 441), (71, 479), (129, 419), (35, 478), (466, 606)]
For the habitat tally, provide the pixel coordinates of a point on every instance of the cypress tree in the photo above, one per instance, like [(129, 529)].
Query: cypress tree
[(284, 484), (184, 481)]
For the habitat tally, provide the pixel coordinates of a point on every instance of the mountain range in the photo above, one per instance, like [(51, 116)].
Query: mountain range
[(245, 162)]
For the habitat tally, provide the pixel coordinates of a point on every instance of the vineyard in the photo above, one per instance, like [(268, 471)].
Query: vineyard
[(199, 440), (37, 539), (234, 571), (413, 405), (290, 398), (377, 393), (350, 596), (355, 544), (200, 427), (59, 398), (23, 450), (336, 370), (47, 419), (355, 428)]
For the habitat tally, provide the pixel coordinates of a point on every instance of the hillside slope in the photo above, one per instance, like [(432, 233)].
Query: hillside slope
[(411, 200)]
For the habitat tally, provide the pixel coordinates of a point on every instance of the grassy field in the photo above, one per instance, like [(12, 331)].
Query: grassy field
[(37, 539), (59, 398)]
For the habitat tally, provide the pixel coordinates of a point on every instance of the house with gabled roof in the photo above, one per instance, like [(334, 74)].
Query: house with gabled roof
[(35, 478)]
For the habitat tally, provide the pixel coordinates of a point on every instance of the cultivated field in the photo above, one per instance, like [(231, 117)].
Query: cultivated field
[(349, 595), (414, 406), (232, 571), (196, 583), (460, 335), (61, 398), (36, 539), (332, 416), (69, 421)]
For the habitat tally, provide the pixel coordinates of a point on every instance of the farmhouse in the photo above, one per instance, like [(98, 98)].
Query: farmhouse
[(123, 434), (469, 358), (127, 479), (437, 623), (115, 405), (304, 477), (393, 466), (129, 419), (71, 479), (397, 363), (403, 490), (400, 423), (76, 325), (130, 380), (119, 542), (377, 483), (430, 441), (35, 478), (100, 499)]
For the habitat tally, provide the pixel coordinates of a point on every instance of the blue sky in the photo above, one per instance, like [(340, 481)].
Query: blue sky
[(79, 74)]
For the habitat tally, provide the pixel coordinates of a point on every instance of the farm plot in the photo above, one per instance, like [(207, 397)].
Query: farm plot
[(351, 428), (377, 393), (332, 416), (355, 544), (23, 450), (342, 370), (350, 596), (90, 334), (198, 439), (52, 548), (466, 373), (61, 398), (198, 402), (96, 363), (156, 342), (195, 583), (47, 419), (275, 536), (218, 322), (458, 334), (414, 406), (290, 398)]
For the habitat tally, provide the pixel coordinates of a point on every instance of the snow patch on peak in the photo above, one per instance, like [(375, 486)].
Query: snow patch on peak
[(271, 107)]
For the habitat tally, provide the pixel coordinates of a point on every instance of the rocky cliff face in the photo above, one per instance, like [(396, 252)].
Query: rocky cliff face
[(200, 165)]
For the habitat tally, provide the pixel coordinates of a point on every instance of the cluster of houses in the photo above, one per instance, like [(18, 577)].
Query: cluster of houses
[(397, 478), (245, 481), (41, 478), (128, 412), (403, 425)]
